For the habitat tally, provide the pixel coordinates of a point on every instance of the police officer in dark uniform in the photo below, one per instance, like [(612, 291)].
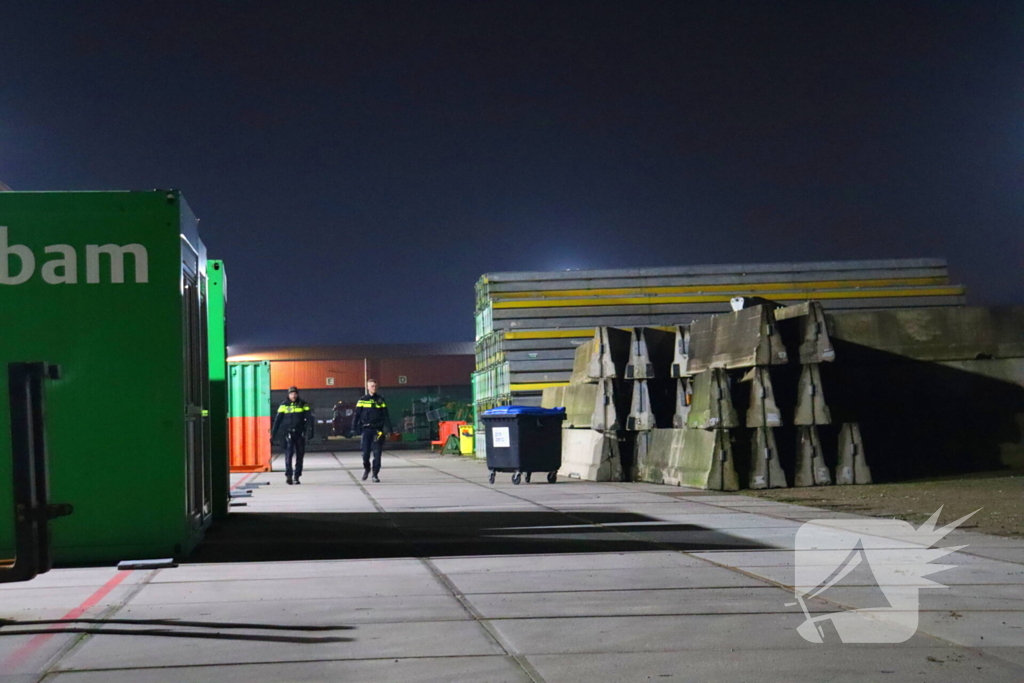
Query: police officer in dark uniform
[(295, 419), (373, 423)]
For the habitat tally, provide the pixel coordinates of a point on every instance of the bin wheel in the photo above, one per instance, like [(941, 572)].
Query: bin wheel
[(552, 477), (492, 477), (517, 477), (528, 477)]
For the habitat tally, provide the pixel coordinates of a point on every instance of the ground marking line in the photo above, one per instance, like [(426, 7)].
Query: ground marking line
[(271, 663), (439, 576), (110, 611), (242, 480), (18, 657)]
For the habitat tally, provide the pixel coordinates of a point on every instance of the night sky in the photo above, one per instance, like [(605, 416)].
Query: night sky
[(359, 165)]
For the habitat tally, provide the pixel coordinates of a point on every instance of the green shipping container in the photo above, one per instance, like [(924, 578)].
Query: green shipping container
[(112, 287), (249, 415), (217, 280)]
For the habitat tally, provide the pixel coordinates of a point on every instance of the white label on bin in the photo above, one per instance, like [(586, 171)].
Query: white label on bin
[(500, 437)]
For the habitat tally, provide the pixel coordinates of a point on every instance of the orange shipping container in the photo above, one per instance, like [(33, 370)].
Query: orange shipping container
[(250, 443)]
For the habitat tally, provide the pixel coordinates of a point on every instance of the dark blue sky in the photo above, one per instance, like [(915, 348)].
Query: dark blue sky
[(360, 164)]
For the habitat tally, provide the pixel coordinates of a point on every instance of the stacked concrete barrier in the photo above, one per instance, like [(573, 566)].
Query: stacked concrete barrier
[(763, 417), (654, 389), (723, 402), (726, 369), (596, 401), (805, 327), (654, 404), (810, 413), (697, 449), (720, 348), (690, 440)]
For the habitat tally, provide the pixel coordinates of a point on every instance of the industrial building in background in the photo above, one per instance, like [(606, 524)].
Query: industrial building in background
[(425, 384)]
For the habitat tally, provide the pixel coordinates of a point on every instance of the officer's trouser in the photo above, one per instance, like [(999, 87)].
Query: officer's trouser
[(371, 441), (294, 444)]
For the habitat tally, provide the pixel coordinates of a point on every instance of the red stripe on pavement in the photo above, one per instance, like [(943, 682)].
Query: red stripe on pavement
[(242, 480), (26, 650)]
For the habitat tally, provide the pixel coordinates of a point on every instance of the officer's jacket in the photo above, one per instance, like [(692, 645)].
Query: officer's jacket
[(372, 411), (294, 418)]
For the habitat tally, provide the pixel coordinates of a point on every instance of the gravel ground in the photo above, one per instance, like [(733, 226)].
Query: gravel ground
[(1000, 497)]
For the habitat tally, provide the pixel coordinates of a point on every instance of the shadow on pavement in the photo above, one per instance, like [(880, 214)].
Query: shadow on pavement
[(171, 628), (269, 537)]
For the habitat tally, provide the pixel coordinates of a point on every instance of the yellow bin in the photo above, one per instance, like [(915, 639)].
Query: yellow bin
[(466, 440)]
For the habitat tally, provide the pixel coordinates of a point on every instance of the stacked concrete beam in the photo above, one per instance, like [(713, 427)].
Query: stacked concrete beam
[(665, 296), (531, 322)]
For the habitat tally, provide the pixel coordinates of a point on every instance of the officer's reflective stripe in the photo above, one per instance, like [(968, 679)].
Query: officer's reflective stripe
[(371, 404), (293, 409)]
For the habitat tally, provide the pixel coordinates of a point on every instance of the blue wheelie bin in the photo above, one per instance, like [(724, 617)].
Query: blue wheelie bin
[(523, 440)]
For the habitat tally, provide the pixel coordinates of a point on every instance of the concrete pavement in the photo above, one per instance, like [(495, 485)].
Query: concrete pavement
[(435, 575)]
